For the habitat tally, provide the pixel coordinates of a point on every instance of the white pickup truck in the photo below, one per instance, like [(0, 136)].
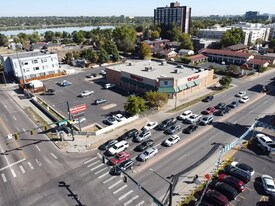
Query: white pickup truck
[(266, 143)]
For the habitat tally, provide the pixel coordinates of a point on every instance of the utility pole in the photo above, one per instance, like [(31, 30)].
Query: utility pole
[(69, 113)]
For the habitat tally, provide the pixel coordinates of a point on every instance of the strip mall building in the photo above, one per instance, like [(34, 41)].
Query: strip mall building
[(175, 80)]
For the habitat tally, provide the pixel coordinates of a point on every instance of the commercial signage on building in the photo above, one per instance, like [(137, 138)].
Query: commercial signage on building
[(78, 108), (136, 78), (193, 78)]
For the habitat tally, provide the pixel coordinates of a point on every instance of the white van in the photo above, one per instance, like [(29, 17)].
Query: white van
[(118, 147)]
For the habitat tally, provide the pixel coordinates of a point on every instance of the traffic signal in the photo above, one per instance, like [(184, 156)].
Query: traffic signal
[(31, 132), (15, 136)]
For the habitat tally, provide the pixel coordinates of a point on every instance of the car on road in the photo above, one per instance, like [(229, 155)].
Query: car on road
[(244, 99), (233, 181), (216, 198), (237, 173), (265, 142), (119, 117), (185, 115), (86, 93), (108, 144), (173, 129), (129, 134), (171, 140), (100, 101), (150, 125), (118, 147), (148, 154), (64, 83), (111, 120), (208, 98), (166, 123), (240, 94), (143, 136), (79, 120), (91, 75), (144, 145), (194, 118), (108, 85), (234, 104), (220, 105), (268, 184), (190, 129), (209, 110), (230, 192), (127, 165), (48, 92), (120, 157), (243, 167), (205, 120)]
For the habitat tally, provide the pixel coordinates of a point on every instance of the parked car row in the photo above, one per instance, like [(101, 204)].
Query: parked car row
[(115, 118)]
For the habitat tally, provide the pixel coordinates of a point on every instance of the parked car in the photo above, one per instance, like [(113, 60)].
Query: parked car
[(86, 93), (216, 198), (190, 129), (143, 136), (49, 92), (219, 113), (171, 140), (237, 173), (79, 120), (120, 157), (194, 118), (102, 72), (166, 123), (144, 145), (111, 120), (230, 192), (244, 99), (209, 110), (220, 105), (148, 154), (100, 101), (173, 129), (233, 181), (243, 167), (118, 147), (119, 117), (206, 120), (240, 94), (108, 85), (129, 135), (126, 165), (265, 142), (64, 83), (108, 144), (150, 125), (268, 184), (271, 200), (91, 75), (208, 98), (234, 104), (185, 115)]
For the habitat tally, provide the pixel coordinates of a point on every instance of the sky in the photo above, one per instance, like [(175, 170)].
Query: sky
[(129, 7)]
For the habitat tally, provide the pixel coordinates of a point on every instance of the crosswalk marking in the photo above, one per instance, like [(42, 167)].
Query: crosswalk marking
[(118, 190), (141, 203), (39, 163), (13, 173), (125, 195), (105, 168), (55, 157), (86, 162), (103, 175), (131, 200), (22, 169), (115, 184), (109, 179), (98, 166), (99, 155), (4, 177), (93, 163), (30, 165)]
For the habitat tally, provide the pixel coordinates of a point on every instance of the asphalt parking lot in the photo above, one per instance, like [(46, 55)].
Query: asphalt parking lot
[(95, 113)]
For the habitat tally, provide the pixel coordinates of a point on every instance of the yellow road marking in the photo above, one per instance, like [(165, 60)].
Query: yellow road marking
[(263, 198), (241, 197)]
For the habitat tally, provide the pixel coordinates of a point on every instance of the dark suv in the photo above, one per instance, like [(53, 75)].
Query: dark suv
[(49, 92), (208, 98), (166, 123), (129, 135), (230, 192), (237, 173)]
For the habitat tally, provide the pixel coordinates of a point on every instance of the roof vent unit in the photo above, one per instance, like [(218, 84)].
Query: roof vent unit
[(180, 66), (162, 75), (148, 69), (130, 64), (177, 71)]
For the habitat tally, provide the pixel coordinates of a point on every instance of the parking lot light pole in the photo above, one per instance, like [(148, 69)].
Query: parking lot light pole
[(170, 186)]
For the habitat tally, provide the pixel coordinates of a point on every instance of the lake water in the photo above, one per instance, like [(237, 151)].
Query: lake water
[(60, 29)]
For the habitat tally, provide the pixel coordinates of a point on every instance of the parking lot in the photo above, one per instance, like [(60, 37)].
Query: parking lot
[(94, 113)]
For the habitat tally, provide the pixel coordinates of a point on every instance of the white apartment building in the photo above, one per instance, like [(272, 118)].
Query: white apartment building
[(30, 65)]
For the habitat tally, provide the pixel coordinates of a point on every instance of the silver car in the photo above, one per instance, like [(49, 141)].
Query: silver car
[(148, 154)]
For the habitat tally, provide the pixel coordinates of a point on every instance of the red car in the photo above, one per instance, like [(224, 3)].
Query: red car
[(232, 181), (120, 157), (209, 110)]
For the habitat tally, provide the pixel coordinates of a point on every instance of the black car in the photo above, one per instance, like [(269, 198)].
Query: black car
[(190, 129), (230, 192), (129, 135), (91, 75), (172, 129), (49, 92), (222, 112), (144, 145), (220, 106), (237, 173), (226, 109), (234, 104), (100, 101), (166, 123), (108, 144), (208, 98), (126, 165)]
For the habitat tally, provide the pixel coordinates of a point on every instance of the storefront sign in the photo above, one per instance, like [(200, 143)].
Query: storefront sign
[(193, 78), (136, 78)]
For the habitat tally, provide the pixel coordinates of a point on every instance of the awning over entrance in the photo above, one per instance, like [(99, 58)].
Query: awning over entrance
[(198, 81), (166, 90), (190, 84), (182, 87)]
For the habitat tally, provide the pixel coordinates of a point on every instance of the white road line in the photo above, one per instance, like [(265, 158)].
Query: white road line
[(22, 169), (3, 168), (109, 179), (24, 130), (4, 177), (14, 117), (115, 184), (105, 168), (131, 200), (39, 163), (55, 157), (98, 166), (265, 102), (13, 173), (119, 189), (182, 156), (5, 157), (103, 175), (38, 148), (125, 195), (93, 163), (99, 155), (30, 165), (141, 203), (5, 106), (86, 162)]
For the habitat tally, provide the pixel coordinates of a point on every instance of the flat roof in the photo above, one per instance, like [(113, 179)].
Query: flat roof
[(158, 70), (27, 54)]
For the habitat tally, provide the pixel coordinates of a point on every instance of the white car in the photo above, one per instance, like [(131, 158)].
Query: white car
[(102, 72), (108, 85), (150, 125), (111, 120), (194, 118), (244, 99), (86, 93), (243, 167), (185, 115), (148, 153), (171, 140), (118, 147), (79, 120), (119, 117), (268, 184), (206, 120), (241, 94)]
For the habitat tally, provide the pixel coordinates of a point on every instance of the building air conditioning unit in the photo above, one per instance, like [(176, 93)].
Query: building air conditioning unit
[(177, 71)]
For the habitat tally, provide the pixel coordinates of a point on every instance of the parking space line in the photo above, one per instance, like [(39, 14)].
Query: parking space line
[(55, 157), (140, 203), (258, 173), (109, 179), (230, 203), (131, 200), (87, 161), (99, 155), (115, 184), (248, 188), (125, 195), (93, 163), (13, 173), (39, 163), (119, 189), (241, 196), (22, 169), (105, 168), (4, 177), (103, 175), (37, 148), (98, 166), (30, 165)]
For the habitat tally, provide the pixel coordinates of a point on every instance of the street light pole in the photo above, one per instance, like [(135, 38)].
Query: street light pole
[(170, 186)]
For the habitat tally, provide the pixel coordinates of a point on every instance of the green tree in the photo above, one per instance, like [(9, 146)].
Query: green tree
[(233, 69), (68, 58), (185, 42), (49, 36), (146, 34), (34, 37), (78, 37), (263, 69), (94, 57), (156, 99), (271, 44), (144, 50), (3, 40), (135, 105), (155, 34), (111, 48), (125, 38), (259, 41), (103, 56), (232, 37), (225, 81)]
